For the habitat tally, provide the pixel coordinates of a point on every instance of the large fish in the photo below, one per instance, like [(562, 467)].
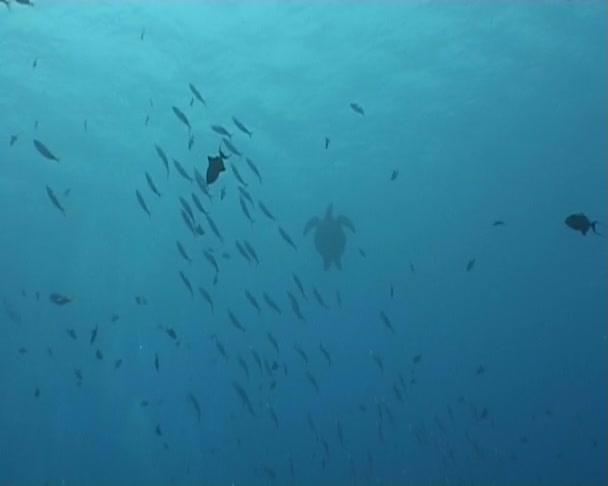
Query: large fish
[(215, 167), (580, 222)]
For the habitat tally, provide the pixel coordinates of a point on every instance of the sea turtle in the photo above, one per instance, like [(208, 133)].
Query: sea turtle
[(330, 238)]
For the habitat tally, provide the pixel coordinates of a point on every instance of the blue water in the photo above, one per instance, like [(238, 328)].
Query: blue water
[(486, 111)]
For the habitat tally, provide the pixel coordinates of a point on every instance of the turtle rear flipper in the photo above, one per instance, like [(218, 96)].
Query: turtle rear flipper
[(344, 221), (311, 224)]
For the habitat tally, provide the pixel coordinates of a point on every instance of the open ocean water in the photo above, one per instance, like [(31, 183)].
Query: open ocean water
[(309, 243)]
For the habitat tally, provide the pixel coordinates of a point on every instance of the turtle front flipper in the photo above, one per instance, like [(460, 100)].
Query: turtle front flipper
[(313, 222), (345, 221)]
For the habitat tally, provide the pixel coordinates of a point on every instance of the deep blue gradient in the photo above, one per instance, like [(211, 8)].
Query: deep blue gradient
[(487, 110)]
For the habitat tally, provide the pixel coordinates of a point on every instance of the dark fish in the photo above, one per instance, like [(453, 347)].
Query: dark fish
[(231, 148), (190, 142), (273, 415), (470, 265), (357, 108), (480, 370), (158, 431), (192, 399), (24, 2), (186, 282), (253, 301), (253, 168), (142, 34), (245, 195), (220, 347), (394, 175), (188, 221), (223, 193), (71, 333), (412, 268), (580, 222), (198, 204), (187, 208), (156, 362), (215, 167), (338, 298), (386, 321), (211, 259), (242, 251), (152, 186), (298, 282), (13, 140), (244, 397), (85, 125), (271, 303), (163, 156), (327, 140), (206, 296), (318, 297), (181, 171), (301, 352), (117, 364), (287, 238), (197, 94), (214, 228), (498, 222), (377, 360), (181, 117), (295, 307), (416, 359), (202, 184), (237, 175), (147, 120), (44, 151), (142, 203), (60, 299), (171, 333), (265, 211), (37, 392), (312, 380), (98, 355), (54, 200), (235, 322), (325, 353), (93, 335), (252, 253), (241, 126), (182, 252), (220, 130), (273, 341), (243, 366), (245, 210)]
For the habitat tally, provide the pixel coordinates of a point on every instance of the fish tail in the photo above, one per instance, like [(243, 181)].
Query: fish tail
[(594, 227)]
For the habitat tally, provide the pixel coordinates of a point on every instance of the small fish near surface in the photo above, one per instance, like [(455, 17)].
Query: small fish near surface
[(181, 117), (220, 130), (357, 108), (215, 167), (45, 151), (241, 126), (60, 299), (142, 203), (197, 94), (163, 156), (54, 199), (580, 222), (471, 264)]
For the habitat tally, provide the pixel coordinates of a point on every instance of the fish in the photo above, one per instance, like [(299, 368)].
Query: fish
[(206, 296), (171, 333), (71, 333), (327, 141), (186, 282), (211, 259), (470, 265), (142, 203), (295, 307), (251, 251), (182, 252), (220, 130), (163, 157), (244, 397), (45, 151), (242, 251), (197, 94), (325, 353), (99, 355), (152, 186), (237, 176), (156, 362), (298, 282), (241, 126), (188, 221), (245, 210), (186, 207), (214, 227), (220, 347), (190, 142), (231, 148), (223, 193), (192, 399), (13, 140), (181, 171), (60, 299), (181, 117), (273, 415), (215, 167), (378, 360), (394, 175), (235, 322), (265, 211), (253, 301), (93, 335), (243, 365), (357, 108), (85, 125), (386, 321), (273, 341), (245, 195), (417, 358), (498, 222), (198, 204), (271, 303), (147, 120), (54, 200), (254, 169), (24, 2), (319, 299), (142, 34), (580, 222), (312, 380), (301, 352), (287, 238), (6, 2)]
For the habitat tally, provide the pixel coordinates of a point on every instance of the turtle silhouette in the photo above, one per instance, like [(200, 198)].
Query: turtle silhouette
[(330, 237)]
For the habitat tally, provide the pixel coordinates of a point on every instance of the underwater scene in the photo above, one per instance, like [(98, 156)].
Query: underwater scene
[(301, 242)]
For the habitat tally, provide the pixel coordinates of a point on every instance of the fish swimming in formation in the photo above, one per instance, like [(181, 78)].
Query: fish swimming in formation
[(60, 299), (152, 186), (237, 175), (197, 94), (265, 211), (470, 264), (220, 130), (163, 157), (54, 200), (394, 175), (287, 238), (357, 108), (215, 167), (142, 202), (253, 168), (181, 171), (580, 222), (181, 117), (45, 151), (241, 126), (327, 140), (231, 148)]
